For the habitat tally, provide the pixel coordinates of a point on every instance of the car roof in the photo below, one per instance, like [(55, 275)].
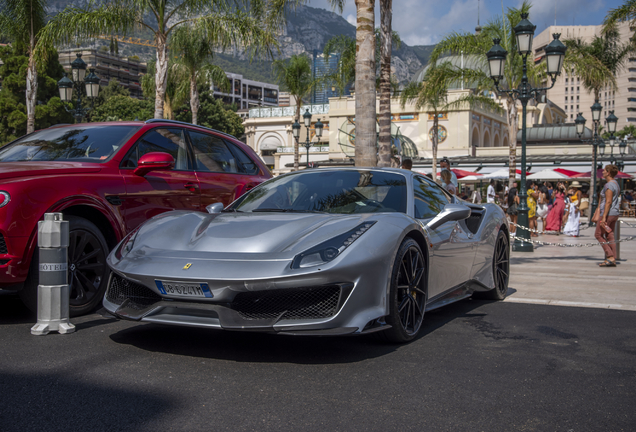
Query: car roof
[(142, 123)]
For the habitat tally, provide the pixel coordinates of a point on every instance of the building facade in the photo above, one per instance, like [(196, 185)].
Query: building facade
[(247, 93), (108, 66), (568, 90), (321, 67)]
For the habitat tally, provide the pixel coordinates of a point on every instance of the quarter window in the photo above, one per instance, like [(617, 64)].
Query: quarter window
[(247, 164), (166, 140), (429, 198)]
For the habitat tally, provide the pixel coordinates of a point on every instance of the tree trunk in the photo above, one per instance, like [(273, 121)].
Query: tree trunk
[(434, 145), (31, 93), (296, 155), (384, 151), (365, 152), (513, 127), (161, 75), (194, 99)]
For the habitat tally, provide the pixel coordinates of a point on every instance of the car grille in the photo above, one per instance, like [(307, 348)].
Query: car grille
[(3, 245), (140, 296), (299, 303)]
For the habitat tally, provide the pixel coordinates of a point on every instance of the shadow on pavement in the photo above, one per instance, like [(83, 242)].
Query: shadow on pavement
[(263, 347), (52, 402), (13, 311)]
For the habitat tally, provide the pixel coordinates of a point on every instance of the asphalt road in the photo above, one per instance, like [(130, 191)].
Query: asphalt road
[(478, 366)]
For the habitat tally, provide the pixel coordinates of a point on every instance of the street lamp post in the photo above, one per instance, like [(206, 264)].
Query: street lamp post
[(597, 144), (89, 83), (555, 52), (307, 121)]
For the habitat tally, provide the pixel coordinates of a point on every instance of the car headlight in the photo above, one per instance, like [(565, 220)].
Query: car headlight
[(329, 250), (4, 198), (127, 244)]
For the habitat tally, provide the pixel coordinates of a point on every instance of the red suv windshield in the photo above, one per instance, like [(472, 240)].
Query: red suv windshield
[(79, 143)]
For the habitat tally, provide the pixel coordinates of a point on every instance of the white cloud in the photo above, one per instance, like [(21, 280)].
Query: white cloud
[(351, 19)]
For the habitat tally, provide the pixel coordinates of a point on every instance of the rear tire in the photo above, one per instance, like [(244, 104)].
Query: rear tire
[(500, 269), (88, 271), (408, 294)]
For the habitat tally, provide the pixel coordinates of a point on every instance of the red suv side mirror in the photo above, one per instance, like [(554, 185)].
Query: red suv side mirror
[(153, 161)]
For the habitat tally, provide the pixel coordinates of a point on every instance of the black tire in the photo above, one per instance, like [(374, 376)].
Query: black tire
[(408, 294), (88, 271), (500, 268)]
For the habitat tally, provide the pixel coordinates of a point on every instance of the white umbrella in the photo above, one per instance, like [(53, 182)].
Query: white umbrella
[(500, 174), (547, 174)]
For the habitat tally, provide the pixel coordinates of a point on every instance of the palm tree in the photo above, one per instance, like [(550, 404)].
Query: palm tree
[(626, 12), (475, 47), (225, 26), (598, 62), (295, 75), (365, 153), (387, 38), (194, 62), (432, 95), (22, 22)]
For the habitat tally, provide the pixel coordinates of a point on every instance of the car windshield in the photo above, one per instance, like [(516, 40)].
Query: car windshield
[(79, 143), (344, 192)]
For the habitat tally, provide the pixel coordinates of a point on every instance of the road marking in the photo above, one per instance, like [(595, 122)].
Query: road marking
[(570, 303)]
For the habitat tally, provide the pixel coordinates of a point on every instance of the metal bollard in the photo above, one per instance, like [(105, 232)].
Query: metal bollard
[(53, 294), (617, 237)]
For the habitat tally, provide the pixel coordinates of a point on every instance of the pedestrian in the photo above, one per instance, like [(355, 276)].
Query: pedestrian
[(606, 215), (513, 202), (542, 207), (555, 215), (573, 218), (476, 197), (407, 164), (490, 192), (447, 182), (576, 192), (532, 207), (444, 164)]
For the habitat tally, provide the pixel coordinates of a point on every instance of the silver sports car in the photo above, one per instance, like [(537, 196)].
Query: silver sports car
[(314, 252)]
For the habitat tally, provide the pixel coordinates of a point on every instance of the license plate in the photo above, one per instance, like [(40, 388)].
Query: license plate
[(183, 289)]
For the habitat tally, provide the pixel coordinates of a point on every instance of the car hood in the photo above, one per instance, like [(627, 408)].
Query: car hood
[(10, 170), (274, 235)]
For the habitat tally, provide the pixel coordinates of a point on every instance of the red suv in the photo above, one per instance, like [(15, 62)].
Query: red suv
[(107, 178)]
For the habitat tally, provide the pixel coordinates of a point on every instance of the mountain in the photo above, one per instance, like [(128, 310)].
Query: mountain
[(307, 29)]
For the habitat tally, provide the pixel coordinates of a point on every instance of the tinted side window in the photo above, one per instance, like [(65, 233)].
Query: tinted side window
[(171, 141), (246, 162), (429, 198), (211, 154)]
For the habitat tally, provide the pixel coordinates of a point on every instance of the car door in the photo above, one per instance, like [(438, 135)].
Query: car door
[(162, 190), (452, 254), (221, 173)]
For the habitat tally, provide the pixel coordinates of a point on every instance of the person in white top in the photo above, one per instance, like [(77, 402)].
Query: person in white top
[(490, 194)]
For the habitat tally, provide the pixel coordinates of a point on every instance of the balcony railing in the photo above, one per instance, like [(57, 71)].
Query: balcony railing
[(288, 111)]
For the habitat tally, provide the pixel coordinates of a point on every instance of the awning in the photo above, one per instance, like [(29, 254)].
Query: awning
[(270, 143)]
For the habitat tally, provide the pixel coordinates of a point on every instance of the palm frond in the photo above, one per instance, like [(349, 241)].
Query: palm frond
[(626, 12)]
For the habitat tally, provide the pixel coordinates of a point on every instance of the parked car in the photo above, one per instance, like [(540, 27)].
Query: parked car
[(317, 252), (107, 178)]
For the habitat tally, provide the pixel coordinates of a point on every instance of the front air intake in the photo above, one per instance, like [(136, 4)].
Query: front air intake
[(140, 296)]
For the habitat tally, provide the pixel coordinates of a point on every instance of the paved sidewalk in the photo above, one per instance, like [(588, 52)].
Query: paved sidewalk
[(571, 276)]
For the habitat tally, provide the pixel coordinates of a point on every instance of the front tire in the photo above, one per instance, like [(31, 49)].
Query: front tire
[(408, 293), (88, 271)]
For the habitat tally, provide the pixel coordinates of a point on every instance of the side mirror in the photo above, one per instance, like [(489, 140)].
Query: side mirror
[(214, 208), (451, 212), (154, 161)]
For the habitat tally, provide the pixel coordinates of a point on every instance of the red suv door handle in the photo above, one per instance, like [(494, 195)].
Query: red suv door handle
[(250, 186), (191, 186)]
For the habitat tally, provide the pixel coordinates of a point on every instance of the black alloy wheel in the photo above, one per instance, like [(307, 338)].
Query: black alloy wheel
[(500, 268), (87, 269), (408, 294)]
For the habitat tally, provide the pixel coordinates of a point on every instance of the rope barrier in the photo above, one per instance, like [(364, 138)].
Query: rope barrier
[(571, 245), (582, 227)]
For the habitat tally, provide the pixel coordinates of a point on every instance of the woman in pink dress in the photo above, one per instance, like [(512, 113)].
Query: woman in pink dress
[(555, 217)]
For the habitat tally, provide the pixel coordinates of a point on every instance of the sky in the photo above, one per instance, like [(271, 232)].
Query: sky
[(425, 22)]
